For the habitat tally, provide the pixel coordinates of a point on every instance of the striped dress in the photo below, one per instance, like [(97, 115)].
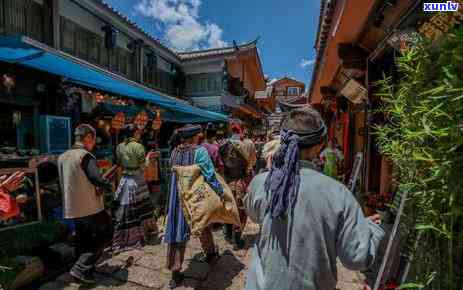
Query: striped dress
[(132, 197)]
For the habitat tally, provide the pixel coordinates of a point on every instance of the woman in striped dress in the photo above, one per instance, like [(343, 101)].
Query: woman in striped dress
[(132, 197), (186, 152)]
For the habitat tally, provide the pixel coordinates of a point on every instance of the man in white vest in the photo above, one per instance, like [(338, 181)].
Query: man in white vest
[(83, 202)]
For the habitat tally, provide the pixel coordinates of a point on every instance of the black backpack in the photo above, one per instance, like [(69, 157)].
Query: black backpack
[(235, 164)]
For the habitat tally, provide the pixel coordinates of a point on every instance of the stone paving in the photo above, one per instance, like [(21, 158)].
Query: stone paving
[(144, 269)]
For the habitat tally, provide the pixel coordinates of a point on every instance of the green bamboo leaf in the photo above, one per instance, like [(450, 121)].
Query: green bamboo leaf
[(411, 286), (457, 98), (433, 91)]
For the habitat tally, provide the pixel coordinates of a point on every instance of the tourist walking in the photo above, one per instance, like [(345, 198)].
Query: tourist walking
[(132, 197), (331, 157), (83, 198), (236, 171), (212, 147), (186, 152), (307, 219)]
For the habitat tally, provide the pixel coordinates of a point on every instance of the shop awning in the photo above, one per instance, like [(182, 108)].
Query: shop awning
[(25, 51)]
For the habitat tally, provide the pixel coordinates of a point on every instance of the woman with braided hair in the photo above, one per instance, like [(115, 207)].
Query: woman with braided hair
[(307, 219)]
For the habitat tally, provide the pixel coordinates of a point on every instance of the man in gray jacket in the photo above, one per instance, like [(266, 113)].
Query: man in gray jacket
[(307, 219), (83, 202)]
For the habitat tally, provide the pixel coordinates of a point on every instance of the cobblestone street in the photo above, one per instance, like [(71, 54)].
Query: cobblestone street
[(146, 269)]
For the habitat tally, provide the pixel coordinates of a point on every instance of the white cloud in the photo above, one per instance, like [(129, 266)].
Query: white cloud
[(183, 28), (306, 62)]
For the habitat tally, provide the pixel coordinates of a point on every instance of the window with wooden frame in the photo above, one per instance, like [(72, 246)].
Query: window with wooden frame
[(294, 91), (114, 60), (93, 48), (68, 32), (82, 43), (210, 85), (124, 58)]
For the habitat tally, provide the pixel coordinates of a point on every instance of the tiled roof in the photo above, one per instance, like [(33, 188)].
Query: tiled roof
[(132, 24), (179, 55), (324, 27), (216, 51)]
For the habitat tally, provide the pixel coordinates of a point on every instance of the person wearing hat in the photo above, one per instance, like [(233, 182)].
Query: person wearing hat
[(307, 219), (83, 201), (238, 157), (133, 208), (187, 152)]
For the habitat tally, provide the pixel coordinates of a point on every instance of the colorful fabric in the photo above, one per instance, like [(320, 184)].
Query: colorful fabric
[(239, 188), (204, 162), (134, 208), (213, 150), (177, 230), (131, 156), (8, 205)]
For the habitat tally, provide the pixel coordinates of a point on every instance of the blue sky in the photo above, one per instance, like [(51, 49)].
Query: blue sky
[(286, 28)]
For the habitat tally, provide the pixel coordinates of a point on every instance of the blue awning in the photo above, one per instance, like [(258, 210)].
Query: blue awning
[(25, 51)]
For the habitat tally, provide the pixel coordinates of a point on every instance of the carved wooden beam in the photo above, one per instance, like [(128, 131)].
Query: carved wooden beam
[(327, 92), (352, 56)]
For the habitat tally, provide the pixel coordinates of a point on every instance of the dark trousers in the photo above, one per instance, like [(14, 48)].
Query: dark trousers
[(93, 233)]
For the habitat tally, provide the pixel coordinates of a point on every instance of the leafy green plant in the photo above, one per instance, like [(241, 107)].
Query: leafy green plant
[(424, 139)]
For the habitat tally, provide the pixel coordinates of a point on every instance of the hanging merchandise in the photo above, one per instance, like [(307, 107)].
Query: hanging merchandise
[(88, 103), (157, 120), (141, 120), (118, 121), (8, 82)]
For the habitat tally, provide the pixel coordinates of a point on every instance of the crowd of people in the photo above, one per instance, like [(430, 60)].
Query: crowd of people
[(307, 217)]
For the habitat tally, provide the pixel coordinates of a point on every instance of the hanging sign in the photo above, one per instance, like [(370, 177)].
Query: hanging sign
[(141, 120), (118, 121), (354, 91)]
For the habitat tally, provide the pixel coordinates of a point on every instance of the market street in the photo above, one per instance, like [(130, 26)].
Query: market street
[(147, 270)]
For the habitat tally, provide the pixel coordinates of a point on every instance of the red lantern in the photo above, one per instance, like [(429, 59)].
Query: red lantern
[(157, 121), (141, 120), (118, 121)]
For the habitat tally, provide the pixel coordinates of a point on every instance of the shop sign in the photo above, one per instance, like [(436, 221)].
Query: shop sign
[(441, 23), (354, 91), (261, 95)]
